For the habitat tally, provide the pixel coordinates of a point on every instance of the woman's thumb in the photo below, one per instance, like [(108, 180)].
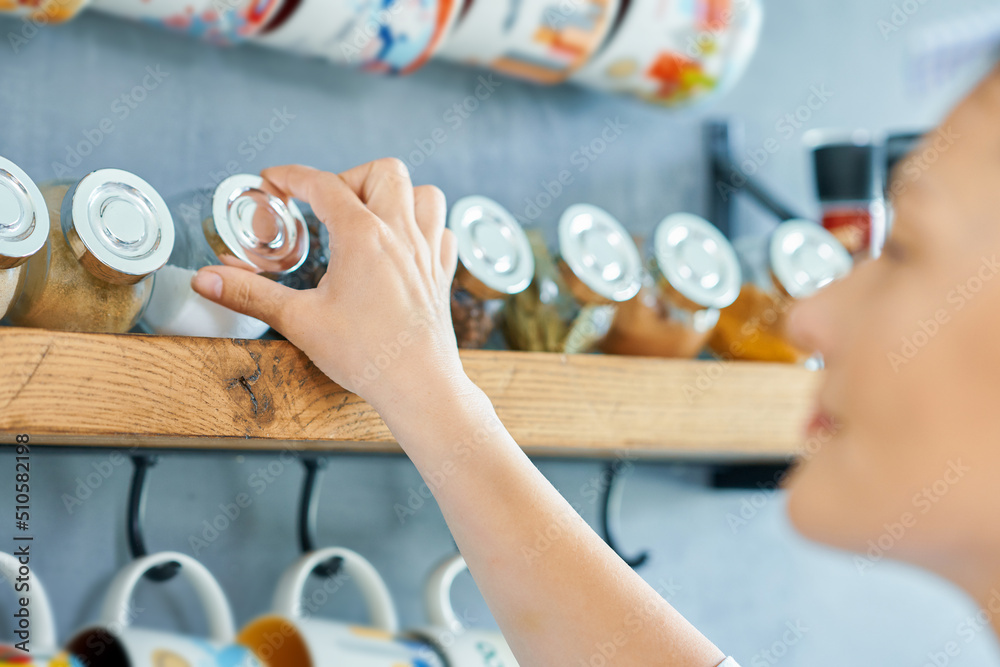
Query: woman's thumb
[(244, 292)]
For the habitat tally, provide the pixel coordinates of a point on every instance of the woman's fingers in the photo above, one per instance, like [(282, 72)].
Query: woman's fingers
[(333, 201), (386, 189), (246, 292), (431, 210), (382, 188), (449, 257)]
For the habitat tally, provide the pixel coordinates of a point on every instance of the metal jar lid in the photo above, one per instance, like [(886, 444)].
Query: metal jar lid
[(600, 252), (697, 261), (118, 226), (255, 227), (492, 248), (805, 258), (24, 217)]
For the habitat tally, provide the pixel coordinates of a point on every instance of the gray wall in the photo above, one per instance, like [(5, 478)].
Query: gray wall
[(741, 586)]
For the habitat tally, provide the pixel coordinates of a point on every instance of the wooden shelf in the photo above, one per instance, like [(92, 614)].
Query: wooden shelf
[(102, 390)]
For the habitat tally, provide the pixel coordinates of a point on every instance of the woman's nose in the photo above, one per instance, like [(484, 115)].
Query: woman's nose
[(815, 324)]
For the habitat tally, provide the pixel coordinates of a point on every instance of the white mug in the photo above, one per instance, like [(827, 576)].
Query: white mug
[(677, 53), (33, 620), (395, 36), (217, 21), (290, 638), (317, 26), (460, 646), (44, 12), (538, 40), (113, 641)]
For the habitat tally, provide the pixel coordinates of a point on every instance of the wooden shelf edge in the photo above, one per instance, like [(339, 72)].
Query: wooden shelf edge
[(86, 390)]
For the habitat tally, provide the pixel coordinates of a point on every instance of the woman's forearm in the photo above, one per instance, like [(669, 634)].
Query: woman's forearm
[(379, 324), (559, 593)]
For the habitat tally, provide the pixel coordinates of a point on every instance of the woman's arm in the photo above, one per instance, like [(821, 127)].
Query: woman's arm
[(379, 324)]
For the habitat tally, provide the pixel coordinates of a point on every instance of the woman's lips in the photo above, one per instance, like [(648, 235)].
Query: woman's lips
[(822, 423)]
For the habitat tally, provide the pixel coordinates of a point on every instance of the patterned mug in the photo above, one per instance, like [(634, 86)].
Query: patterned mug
[(460, 646), (43, 12), (114, 642), (290, 637), (34, 628)]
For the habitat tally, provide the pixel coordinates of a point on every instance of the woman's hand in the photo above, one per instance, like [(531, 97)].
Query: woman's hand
[(379, 323)]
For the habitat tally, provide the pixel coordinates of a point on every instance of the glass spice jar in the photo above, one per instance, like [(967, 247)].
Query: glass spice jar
[(24, 228), (494, 262), (571, 302), (317, 260), (847, 184), (694, 272), (109, 231), (241, 224), (802, 258)]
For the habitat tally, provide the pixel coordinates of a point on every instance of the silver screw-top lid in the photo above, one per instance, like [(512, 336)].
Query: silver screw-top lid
[(118, 226), (24, 217), (256, 227), (600, 252), (696, 259), (492, 246), (805, 258)]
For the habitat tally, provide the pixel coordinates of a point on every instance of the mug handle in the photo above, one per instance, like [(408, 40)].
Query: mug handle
[(437, 594), (288, 595), (221, 627), (43, 626)]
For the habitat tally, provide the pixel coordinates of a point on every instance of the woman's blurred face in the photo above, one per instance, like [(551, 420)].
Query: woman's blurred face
[(910, 405)]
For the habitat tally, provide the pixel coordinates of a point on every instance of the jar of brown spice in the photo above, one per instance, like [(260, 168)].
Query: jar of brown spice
[(24, 228), (110, 231), (570, 305), (494, 262), (694, 272), (801, 258)]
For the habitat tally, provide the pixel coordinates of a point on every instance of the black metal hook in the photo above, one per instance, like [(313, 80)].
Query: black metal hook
[(308, 512), (611, 503), (136, 519)]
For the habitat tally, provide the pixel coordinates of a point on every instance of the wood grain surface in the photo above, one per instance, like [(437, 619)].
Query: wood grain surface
[(104, 390)]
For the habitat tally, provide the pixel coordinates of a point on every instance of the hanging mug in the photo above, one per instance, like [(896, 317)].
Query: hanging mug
[(43, 12), (289, 637), (34, 627), (676, 53), (460, 646), (537, 40), (217, 21), (316, 27), (395, 36), (113, 641)]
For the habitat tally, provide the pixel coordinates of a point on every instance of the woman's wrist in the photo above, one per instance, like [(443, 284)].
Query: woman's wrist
[(434, 396)]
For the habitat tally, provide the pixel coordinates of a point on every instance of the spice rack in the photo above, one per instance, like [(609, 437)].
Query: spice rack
[(96, 390)]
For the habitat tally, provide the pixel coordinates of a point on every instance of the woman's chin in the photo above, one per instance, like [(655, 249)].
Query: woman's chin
[(818, 513)]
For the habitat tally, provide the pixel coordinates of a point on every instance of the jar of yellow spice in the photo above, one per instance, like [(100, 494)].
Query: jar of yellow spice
[(110, 231), (693, 273), (24, 228), (801, 258), (571, 302)]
